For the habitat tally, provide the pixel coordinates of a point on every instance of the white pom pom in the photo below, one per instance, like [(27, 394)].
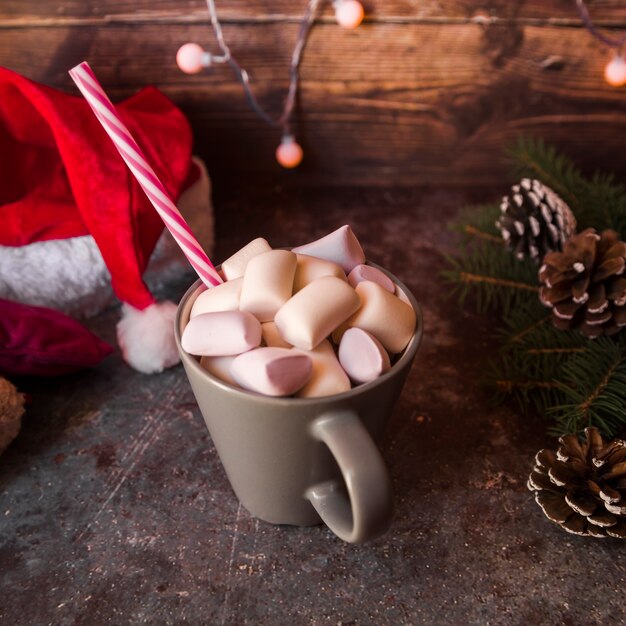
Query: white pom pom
[(146, 337)]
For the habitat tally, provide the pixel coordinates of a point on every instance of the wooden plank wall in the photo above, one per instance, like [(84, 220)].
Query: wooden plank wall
[(424, 92)]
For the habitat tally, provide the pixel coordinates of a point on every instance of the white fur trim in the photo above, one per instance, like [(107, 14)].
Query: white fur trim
[(146, 337), (68, 275)]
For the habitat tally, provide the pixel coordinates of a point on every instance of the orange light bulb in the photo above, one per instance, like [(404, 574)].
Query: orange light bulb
[(289, 153), (348, 13), (615, 71), (191, 58)]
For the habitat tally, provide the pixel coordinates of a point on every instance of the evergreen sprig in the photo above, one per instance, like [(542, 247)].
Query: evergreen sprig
[(487, 270), (574, 381), (593, 385)]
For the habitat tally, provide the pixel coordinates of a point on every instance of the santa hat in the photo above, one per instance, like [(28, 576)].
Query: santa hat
[(61, 177)]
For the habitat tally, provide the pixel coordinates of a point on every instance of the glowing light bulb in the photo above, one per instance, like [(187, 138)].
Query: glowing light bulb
[(615, 71), (191, 58), (289, 152), (348, 13)]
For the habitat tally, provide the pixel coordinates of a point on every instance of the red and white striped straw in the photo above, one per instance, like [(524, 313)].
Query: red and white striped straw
[(107, 115)]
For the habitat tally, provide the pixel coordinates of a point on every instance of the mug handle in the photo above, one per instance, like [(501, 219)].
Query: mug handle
[(365, 512)]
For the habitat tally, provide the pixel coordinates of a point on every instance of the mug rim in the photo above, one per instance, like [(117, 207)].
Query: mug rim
[(408, 354)]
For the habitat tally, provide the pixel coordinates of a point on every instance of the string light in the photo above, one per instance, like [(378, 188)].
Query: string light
[(615, 70), (192, 58), (348, 13)]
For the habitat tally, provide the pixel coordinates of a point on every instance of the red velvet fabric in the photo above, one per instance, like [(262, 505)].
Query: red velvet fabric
[(61, 176), (35, 341)]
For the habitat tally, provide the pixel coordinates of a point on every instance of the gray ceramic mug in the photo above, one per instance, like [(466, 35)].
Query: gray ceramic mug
[(304, 461)]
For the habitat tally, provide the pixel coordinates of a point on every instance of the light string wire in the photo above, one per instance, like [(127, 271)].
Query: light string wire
[(282, 121), (595, 31)]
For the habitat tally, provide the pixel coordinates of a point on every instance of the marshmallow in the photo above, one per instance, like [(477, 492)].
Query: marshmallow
[(267, 283), (384, 315), (235, 265), (341, 247), (315, 311), (219, 366), (310, 268), (271, 336), (272, 371), (362, 356), (221, 333), (224, 297), (327, 377), (367, 272)]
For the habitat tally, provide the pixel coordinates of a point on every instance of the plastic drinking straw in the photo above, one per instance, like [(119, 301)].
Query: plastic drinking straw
[(107, 115)]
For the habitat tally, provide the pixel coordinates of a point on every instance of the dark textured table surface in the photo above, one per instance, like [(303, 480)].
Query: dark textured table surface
[(114, 508)]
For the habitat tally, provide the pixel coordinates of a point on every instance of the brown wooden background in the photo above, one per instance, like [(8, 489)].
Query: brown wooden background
[(424, 92)]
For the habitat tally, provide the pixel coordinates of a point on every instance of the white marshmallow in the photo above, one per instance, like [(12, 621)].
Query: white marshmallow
[(267, 283), (219, 366), (341, 246), (235, 266), (272, 371), (271, 336), (221, 333), (224, 297), (314, 312), (367, 272), (362, 356), (310, 268), (327, 377), (385, 316)]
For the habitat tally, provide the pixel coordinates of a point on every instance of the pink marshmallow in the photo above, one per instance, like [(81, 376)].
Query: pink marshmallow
[(362, 356), (221, 333), (387, 317), (267, 283), (272, 371), (341, 247), (314, 312), (235, 266), (310, 268), (224, 297), (367, 272)]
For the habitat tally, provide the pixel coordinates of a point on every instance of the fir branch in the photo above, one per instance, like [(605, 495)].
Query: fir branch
[(510, 385), (494, 276), (528, 327), (472, 231), (593, 385), (479, 222), (544, 351), (532, 355), (525, 380), (470, 278), (531, 327)]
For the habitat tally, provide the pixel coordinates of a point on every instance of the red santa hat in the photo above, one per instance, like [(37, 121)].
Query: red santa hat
[(61, 177)]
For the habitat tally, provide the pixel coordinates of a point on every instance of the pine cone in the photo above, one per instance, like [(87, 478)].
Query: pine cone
[(534, 220), (11, 409), (583, 486), (584, 285)]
